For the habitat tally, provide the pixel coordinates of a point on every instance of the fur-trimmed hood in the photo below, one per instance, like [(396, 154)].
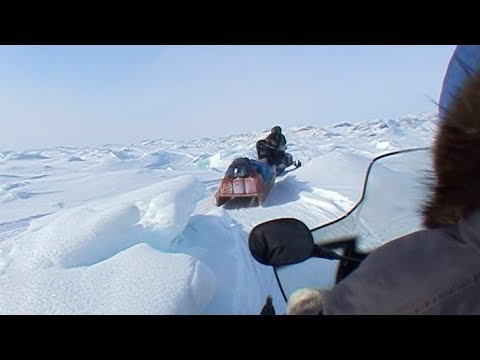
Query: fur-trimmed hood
[(455, 192), (306, 301)]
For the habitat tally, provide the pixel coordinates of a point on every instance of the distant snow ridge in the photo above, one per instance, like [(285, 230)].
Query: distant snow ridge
[(26, 155), (4, 154), (75, 158), (399, 127), (161, 158), (121, 155)]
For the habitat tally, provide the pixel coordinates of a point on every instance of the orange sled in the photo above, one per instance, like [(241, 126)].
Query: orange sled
[(246, 181)]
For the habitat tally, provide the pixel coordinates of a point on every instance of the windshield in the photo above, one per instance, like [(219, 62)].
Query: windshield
[(391, 208)]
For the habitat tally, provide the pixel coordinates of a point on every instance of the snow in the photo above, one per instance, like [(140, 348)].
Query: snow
[(137, 280), (132, 228)]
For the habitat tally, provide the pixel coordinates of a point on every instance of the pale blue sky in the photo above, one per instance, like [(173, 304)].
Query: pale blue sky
[(93, 95)]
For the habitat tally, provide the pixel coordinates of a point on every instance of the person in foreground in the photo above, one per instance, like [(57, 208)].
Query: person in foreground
[(435, 270)]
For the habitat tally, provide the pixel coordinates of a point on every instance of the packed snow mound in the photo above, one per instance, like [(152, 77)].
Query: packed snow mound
[(95, 258), (75, 158), (138, 280)]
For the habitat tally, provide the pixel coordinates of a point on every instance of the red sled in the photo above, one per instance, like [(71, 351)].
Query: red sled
[(246, 178)]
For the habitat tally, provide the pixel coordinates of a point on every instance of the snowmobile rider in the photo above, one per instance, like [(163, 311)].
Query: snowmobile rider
[(273, 147), (277, 139)]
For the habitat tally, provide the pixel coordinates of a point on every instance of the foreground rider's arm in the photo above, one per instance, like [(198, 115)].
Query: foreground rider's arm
[(433, 271)]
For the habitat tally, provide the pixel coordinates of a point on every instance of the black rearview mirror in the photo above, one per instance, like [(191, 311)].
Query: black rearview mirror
[(281, 242), (289, 241)]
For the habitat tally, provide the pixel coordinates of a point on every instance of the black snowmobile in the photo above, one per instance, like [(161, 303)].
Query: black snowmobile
[(280, 160)]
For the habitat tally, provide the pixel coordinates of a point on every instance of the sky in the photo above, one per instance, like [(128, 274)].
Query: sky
[(94, 95)]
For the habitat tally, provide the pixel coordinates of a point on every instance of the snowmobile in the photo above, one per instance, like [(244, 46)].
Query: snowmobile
[(253, 179), (278, 159), (246, 178), (297, 254)]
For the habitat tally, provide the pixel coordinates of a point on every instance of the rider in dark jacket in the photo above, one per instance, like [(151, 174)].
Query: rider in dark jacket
[(277, 139), (273, 148)]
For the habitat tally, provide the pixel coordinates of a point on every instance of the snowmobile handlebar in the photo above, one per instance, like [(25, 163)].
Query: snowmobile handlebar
[(324, 253)]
